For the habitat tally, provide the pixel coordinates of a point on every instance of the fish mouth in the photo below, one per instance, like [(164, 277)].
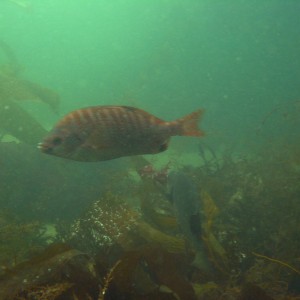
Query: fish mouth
[(44, 148)]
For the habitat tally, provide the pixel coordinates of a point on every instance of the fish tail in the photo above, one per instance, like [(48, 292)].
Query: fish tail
[(188, 125)]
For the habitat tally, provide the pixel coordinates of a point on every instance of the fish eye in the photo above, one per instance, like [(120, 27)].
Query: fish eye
[(57, 141)]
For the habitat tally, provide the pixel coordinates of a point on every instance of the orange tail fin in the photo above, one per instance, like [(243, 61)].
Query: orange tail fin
[(188, 125)]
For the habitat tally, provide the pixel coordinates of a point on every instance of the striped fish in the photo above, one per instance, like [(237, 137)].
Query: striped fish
[(106, 132)]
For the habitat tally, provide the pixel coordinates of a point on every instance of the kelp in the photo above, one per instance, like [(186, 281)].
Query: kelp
[(38, 187), (14, 120), (11, 66), (15, 88), (251, 292), (161, 267), (59, 270), (143, 253), (249, 203), (228, 215), (270, 277), (156, 208), (17, 122), (170, 243), (216, 252), (21, 239), (163, 220), (209, 289), (111, 221), (183, 202), (277, 261), (46, 292)]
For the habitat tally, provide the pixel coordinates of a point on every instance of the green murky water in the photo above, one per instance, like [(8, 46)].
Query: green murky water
[(237, 60)]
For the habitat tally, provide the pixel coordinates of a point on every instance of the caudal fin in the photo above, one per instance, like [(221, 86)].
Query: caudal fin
[(188, 125)]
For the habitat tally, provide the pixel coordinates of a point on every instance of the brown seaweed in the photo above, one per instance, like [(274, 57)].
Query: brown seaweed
[(58, 270), (216, 252), (17, 122), (14, 87), (21, 238), (142, 249), (12, 65), (170, 243), (253, 292), (161, 266)]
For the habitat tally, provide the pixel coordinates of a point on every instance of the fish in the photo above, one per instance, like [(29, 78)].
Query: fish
[(186, 202), (100, 133)]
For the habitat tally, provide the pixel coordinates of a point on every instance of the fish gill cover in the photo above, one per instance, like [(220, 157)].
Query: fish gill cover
[(211, 218)]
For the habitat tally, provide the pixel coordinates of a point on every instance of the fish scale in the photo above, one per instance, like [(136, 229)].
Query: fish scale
[(107, 132)]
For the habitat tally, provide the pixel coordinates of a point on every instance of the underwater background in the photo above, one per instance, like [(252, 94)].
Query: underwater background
[(225, 205)]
